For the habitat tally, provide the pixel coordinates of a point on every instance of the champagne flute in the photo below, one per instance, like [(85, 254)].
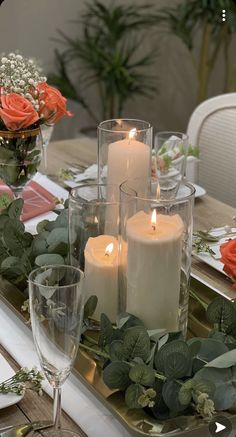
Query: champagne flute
[(46, 132), (56, 307)]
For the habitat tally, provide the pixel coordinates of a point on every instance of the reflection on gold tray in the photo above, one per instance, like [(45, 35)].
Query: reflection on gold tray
[(137, 422)]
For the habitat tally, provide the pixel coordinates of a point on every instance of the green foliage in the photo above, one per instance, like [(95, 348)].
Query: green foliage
[(165, 374), (108, 57), (191, 20), (21, 251)]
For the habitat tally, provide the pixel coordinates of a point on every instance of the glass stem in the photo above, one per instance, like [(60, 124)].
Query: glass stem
[(45, 158), (57, 408)]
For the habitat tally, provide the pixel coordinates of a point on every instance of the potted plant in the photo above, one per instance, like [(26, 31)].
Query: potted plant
[(108, 58), (194, 19)]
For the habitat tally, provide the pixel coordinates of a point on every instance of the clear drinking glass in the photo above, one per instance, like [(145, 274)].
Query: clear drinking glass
[(46, 131), (155, 254), (56, 311), (170, 159)]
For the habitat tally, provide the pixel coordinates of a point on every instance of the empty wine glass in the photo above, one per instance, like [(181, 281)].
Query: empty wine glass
[(46, 131), (170, 160), (56, 306)]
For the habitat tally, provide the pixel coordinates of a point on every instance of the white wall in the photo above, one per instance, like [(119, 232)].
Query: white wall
[(30, 25)]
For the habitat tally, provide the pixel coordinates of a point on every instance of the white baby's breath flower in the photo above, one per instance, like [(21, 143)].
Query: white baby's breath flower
[(4, 60)]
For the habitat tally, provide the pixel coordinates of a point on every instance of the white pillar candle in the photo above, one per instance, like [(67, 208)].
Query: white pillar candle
[(101, 274), (127, 159), (153, 269)]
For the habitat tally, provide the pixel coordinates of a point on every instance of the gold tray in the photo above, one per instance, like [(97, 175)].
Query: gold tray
[(137, 422)]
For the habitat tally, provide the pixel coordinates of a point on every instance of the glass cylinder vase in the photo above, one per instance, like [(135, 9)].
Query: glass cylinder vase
[(124, 151), (93, 237), (20, 157), (155, 254)]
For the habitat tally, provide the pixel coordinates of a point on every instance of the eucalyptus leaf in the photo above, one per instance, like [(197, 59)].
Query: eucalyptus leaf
[(15, 208), (49, 259), (221, 311), (136, 343), (162, 355), (13, 236), (170, 393), (116, 350), (176, 365), (90, 306), (209, 350), (223, 361), (185, 393), (116, 375), (132, 395), (142, 374), (106, 331), (41, 225), (224, 380)]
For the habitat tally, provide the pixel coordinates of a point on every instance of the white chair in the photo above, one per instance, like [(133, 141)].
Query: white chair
[(212, 127)]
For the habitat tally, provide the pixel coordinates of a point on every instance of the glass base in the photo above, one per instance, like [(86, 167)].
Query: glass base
[(57, 433)]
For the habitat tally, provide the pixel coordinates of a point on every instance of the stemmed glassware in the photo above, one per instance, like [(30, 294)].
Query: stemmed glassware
[(56, 307), (46, 132)]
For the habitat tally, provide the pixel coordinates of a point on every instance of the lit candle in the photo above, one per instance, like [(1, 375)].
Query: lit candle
[(154, 247), (127, 159), (101, 274)]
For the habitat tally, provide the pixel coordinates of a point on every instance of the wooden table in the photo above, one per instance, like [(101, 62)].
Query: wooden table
[(208, 212), (32, 407)]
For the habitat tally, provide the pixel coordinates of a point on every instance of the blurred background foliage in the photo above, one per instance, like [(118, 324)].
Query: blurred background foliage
[(109, 56)]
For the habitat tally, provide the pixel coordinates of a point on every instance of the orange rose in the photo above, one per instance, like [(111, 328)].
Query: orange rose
[(228, 258), (52, 103), (17, 112)]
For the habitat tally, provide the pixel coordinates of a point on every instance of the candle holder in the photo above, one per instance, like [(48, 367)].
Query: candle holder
[(124, 151), (93, 239), (155, 254)]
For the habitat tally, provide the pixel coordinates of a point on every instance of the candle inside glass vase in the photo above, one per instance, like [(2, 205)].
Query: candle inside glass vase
[(154, 250), (101, 274)]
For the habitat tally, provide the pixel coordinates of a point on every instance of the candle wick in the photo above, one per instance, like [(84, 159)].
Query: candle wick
[(153, 227), (107, 254)]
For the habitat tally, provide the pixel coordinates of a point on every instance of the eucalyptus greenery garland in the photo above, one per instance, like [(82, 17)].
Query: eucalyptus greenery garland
[(164, 373)]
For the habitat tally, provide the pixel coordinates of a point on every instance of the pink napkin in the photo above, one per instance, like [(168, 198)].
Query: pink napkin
[(37, 200)]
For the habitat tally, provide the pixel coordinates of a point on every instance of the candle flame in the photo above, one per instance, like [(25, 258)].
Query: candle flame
[(119, 122), (158, 191), (109, 249), (95, 220), (154, 219), (132, 133)]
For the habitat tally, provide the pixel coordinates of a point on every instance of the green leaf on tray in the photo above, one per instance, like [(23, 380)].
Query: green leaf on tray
[(132, 395), (136, 343), (142, 374), (116, 375)]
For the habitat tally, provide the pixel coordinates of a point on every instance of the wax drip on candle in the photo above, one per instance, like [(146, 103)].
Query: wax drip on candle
[(109, 249), (132, 133), (154, 219)]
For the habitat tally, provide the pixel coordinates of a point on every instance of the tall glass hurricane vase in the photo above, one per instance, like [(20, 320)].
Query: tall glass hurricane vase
[(124, 151), (155, 256), (20, 157), (56, 306)]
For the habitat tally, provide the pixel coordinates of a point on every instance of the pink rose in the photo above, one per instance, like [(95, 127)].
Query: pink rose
[(228, 258), (17, 112), (52, 103)]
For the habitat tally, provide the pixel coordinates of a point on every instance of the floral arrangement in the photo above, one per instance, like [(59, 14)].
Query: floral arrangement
[(26, 100), (228, 258)]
